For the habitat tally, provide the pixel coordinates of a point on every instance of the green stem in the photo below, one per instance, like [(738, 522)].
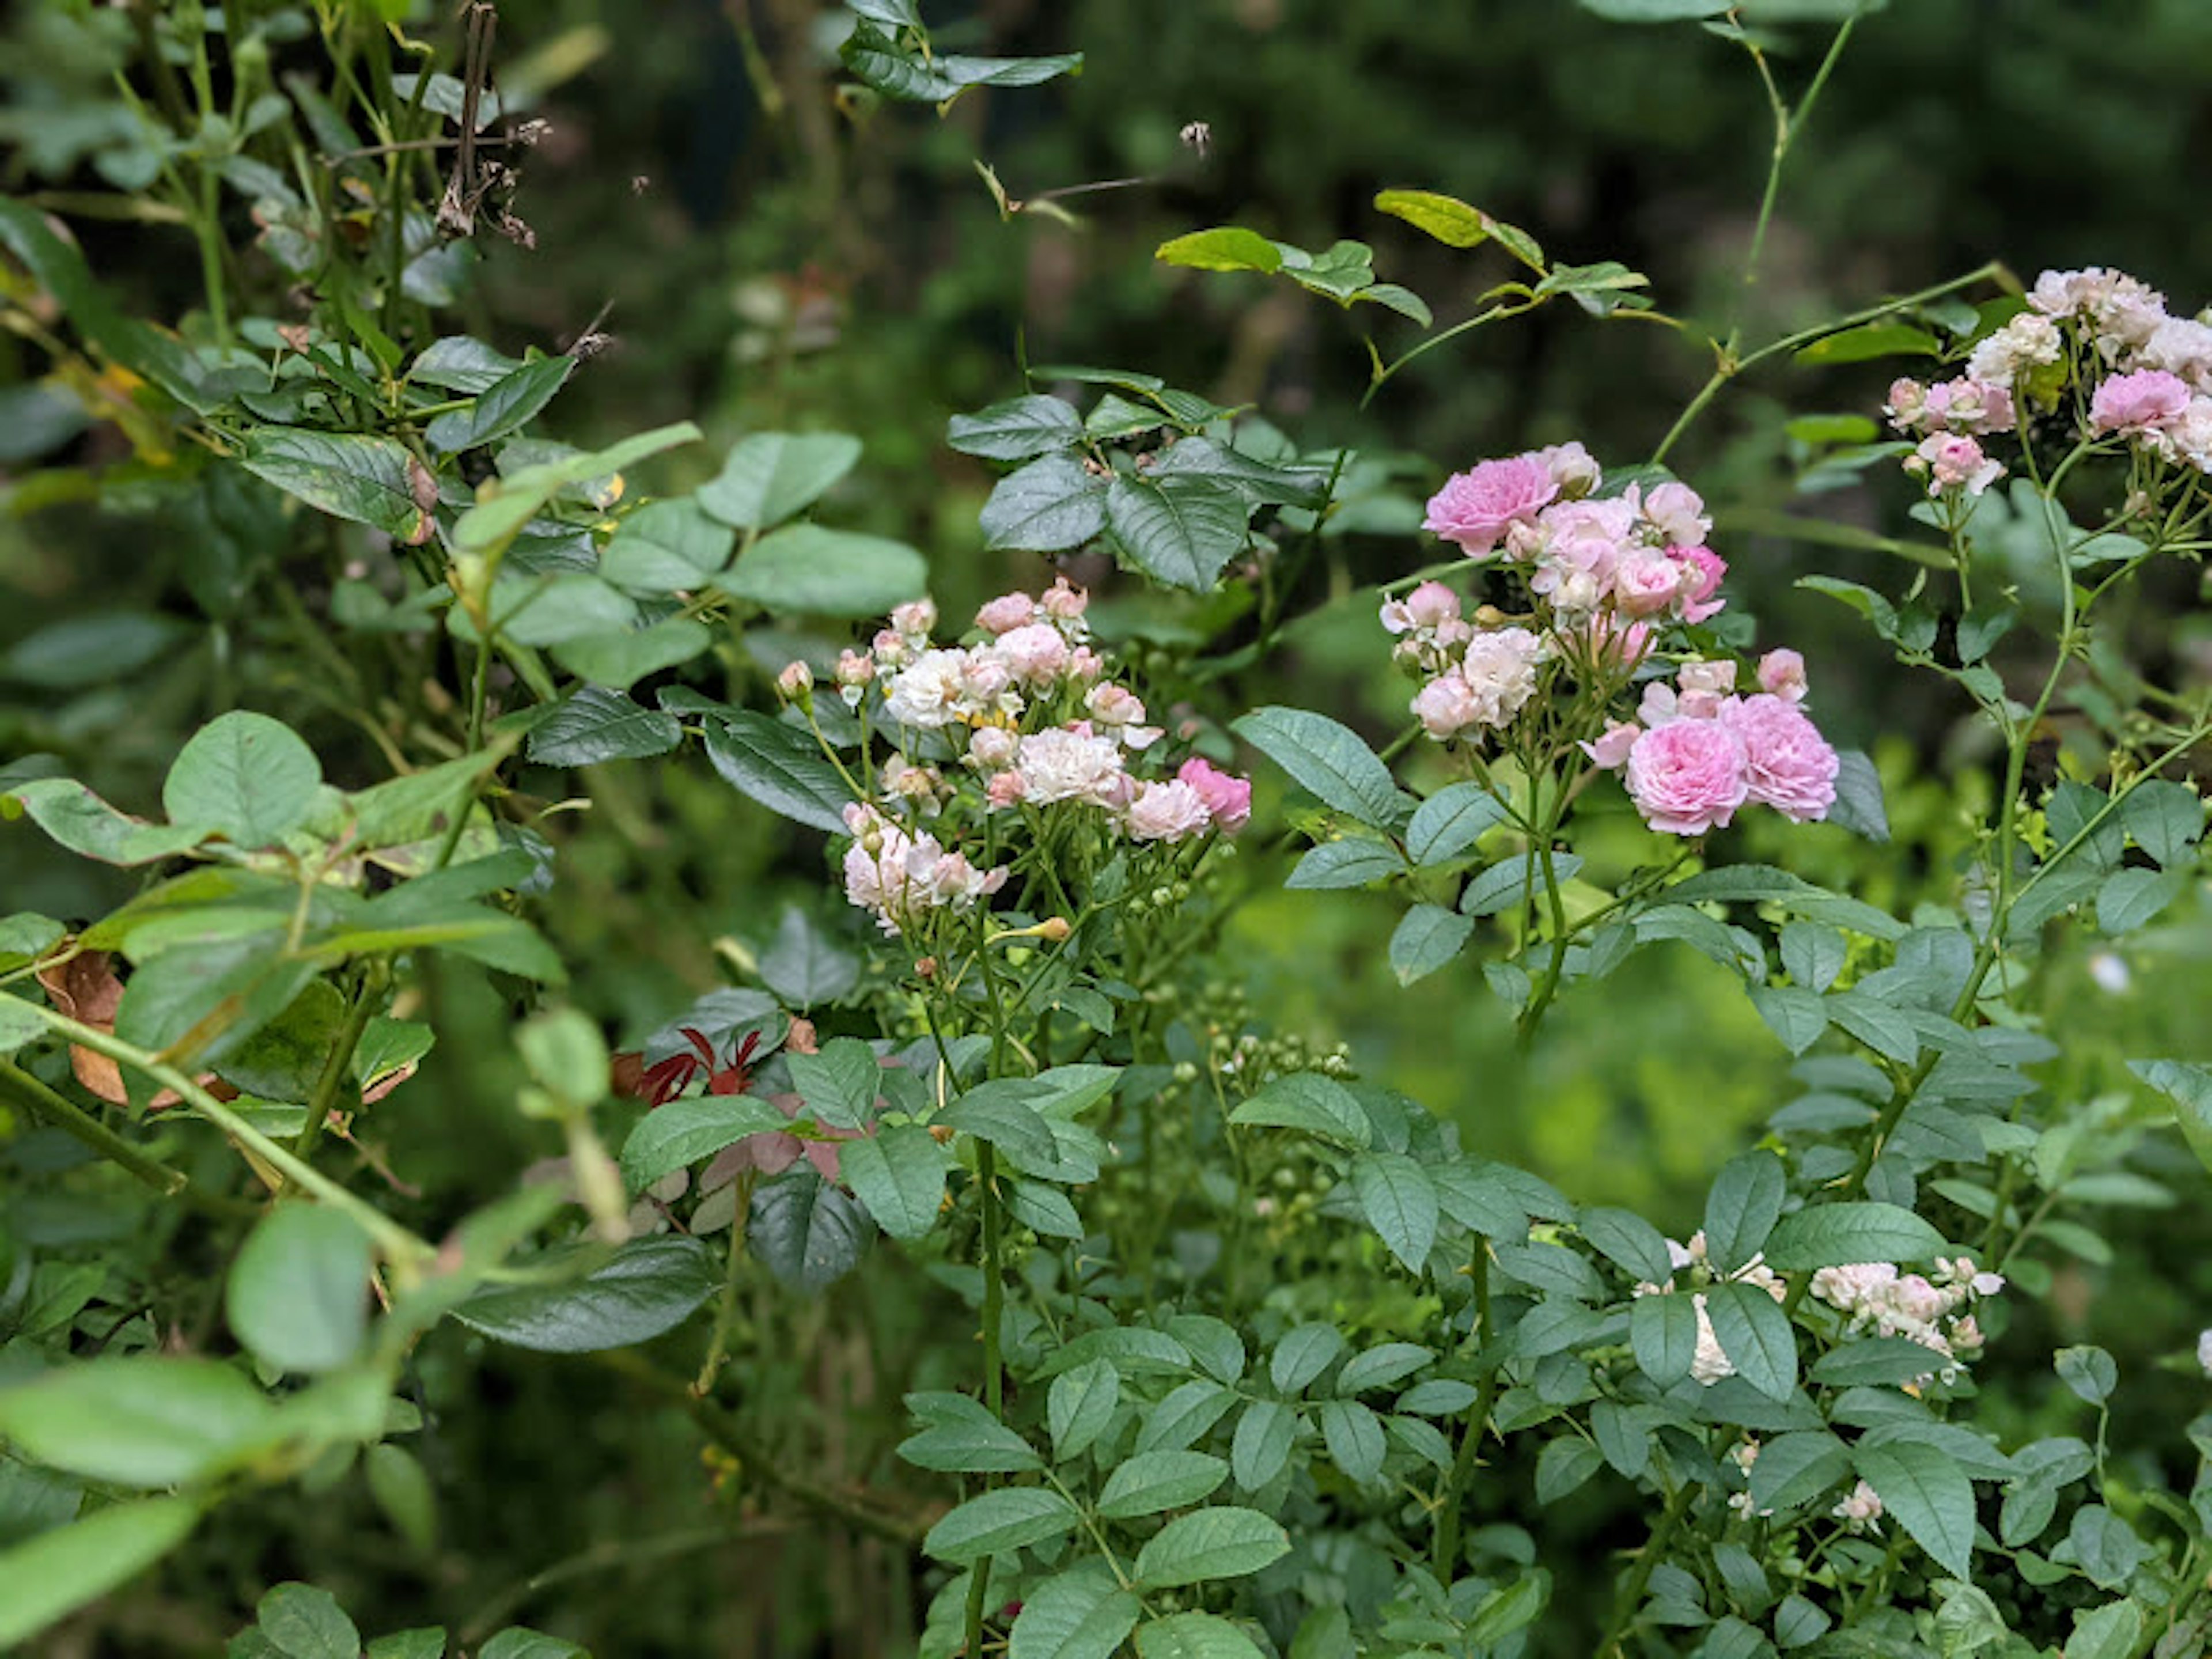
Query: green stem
[(995, 1290), (338, 1065), (43, 1103), (1445, 1562), (1655, 1548), (725, 1310), (400, 1245)]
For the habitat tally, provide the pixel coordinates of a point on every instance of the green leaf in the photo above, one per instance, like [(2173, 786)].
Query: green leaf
[(1654, 11), (1806, 1464), (1355, 861), (1742, 1208), (1227, 247), (519, 1642), (1515, 1608), (679, 1134), (806, 569), (302, 1622), (1328, 759), (1927, 1494), (1301, 1353), (1869, 341), (344, 474), (1019, 429), (1663, 1332), (1446, 218), (838, 1083), (1080, 1614), (245, 777), (666, 547), (1629, 1241), (2112, 1632), (1001, 1116), (1194, 1636), (1227, 1542), (2165, 819), (963, 1437), (55, 1572), (458, 363), (1181, 529), (620, 658), (1859, 807), (597, 725), (509, 402), (1262, 1442), (1873, 1361), (1000, 1520), (298, 1293), (805, 966), (783, 769), (402, 1490), (2088, 1371), (1400, 1203), (199, 1005), (141, 1421), (1380, 1366), (899, 1174), (2131, 898), (1049, 506), (646, 1288), (807, 1231), (2189, 1086), (771, 475), (1079, 1406), (1565, 1465), (1308, 1101), (1756, 1334), (1353, 1435), (1153, 1481), (1451, 822), (18, 1025), (1834, 1234), (517, 497), (1427, 938), (1793, 1013), (80, 821)]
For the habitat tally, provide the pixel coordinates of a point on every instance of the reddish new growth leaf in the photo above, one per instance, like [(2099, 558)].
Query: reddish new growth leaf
[(662, 1082)]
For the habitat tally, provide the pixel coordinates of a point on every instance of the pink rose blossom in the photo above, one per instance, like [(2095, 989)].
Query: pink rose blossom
[(1703, 569), (1447, 706), (1006, 613), (914, 618), (1572, 467), (2142, 401), (1611, 749), (1064, 602), (1687, 777), (1678, 514), (1068, 763), (1907, 404), (1788, 764), (1475, 509), (1173, 811), (992, 746), (1005, 789), (1954, 462), (1646, 582), (1782, 672), (1424, 609), (1228, 798), (1036, 653)]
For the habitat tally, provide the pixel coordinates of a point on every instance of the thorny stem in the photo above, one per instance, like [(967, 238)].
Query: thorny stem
[(1655, 1548), (401, 1246), (1445, 1561), (44, 1102), (368, 996)]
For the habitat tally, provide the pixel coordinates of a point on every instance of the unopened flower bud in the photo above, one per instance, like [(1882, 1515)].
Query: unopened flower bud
[(796, 684), (1054, 929)]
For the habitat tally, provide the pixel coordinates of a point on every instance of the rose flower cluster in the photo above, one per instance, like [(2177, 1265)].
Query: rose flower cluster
[(2100, 337), (1604, 576), (1023, 720)]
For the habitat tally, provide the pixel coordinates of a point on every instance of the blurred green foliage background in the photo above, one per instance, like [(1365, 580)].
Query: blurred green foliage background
[(768, 253)]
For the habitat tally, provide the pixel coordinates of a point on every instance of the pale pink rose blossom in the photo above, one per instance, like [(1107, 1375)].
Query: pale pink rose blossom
[(1696, 674), (1064, 602), (2030, 340), (2182, 346), (1788, 764), (1499, 667), (1228, 798), (1646, 582), (1474, 509), (1069, 763), (1907, 405), (1678, 514), (1006, 613), (1703, 571), (1970, 406), (1446, 706), (929, 691), (1036, 653), (854, 669), (796, 681), (1860, 1511), (1611, 748), (914, 618), (1782, 674), (992, 746), (1572, 467), (1426, 609), (1711, 1362), (1005, 789), (1688, 776), (1952, 461), (1172, 811), (2142, 401)]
